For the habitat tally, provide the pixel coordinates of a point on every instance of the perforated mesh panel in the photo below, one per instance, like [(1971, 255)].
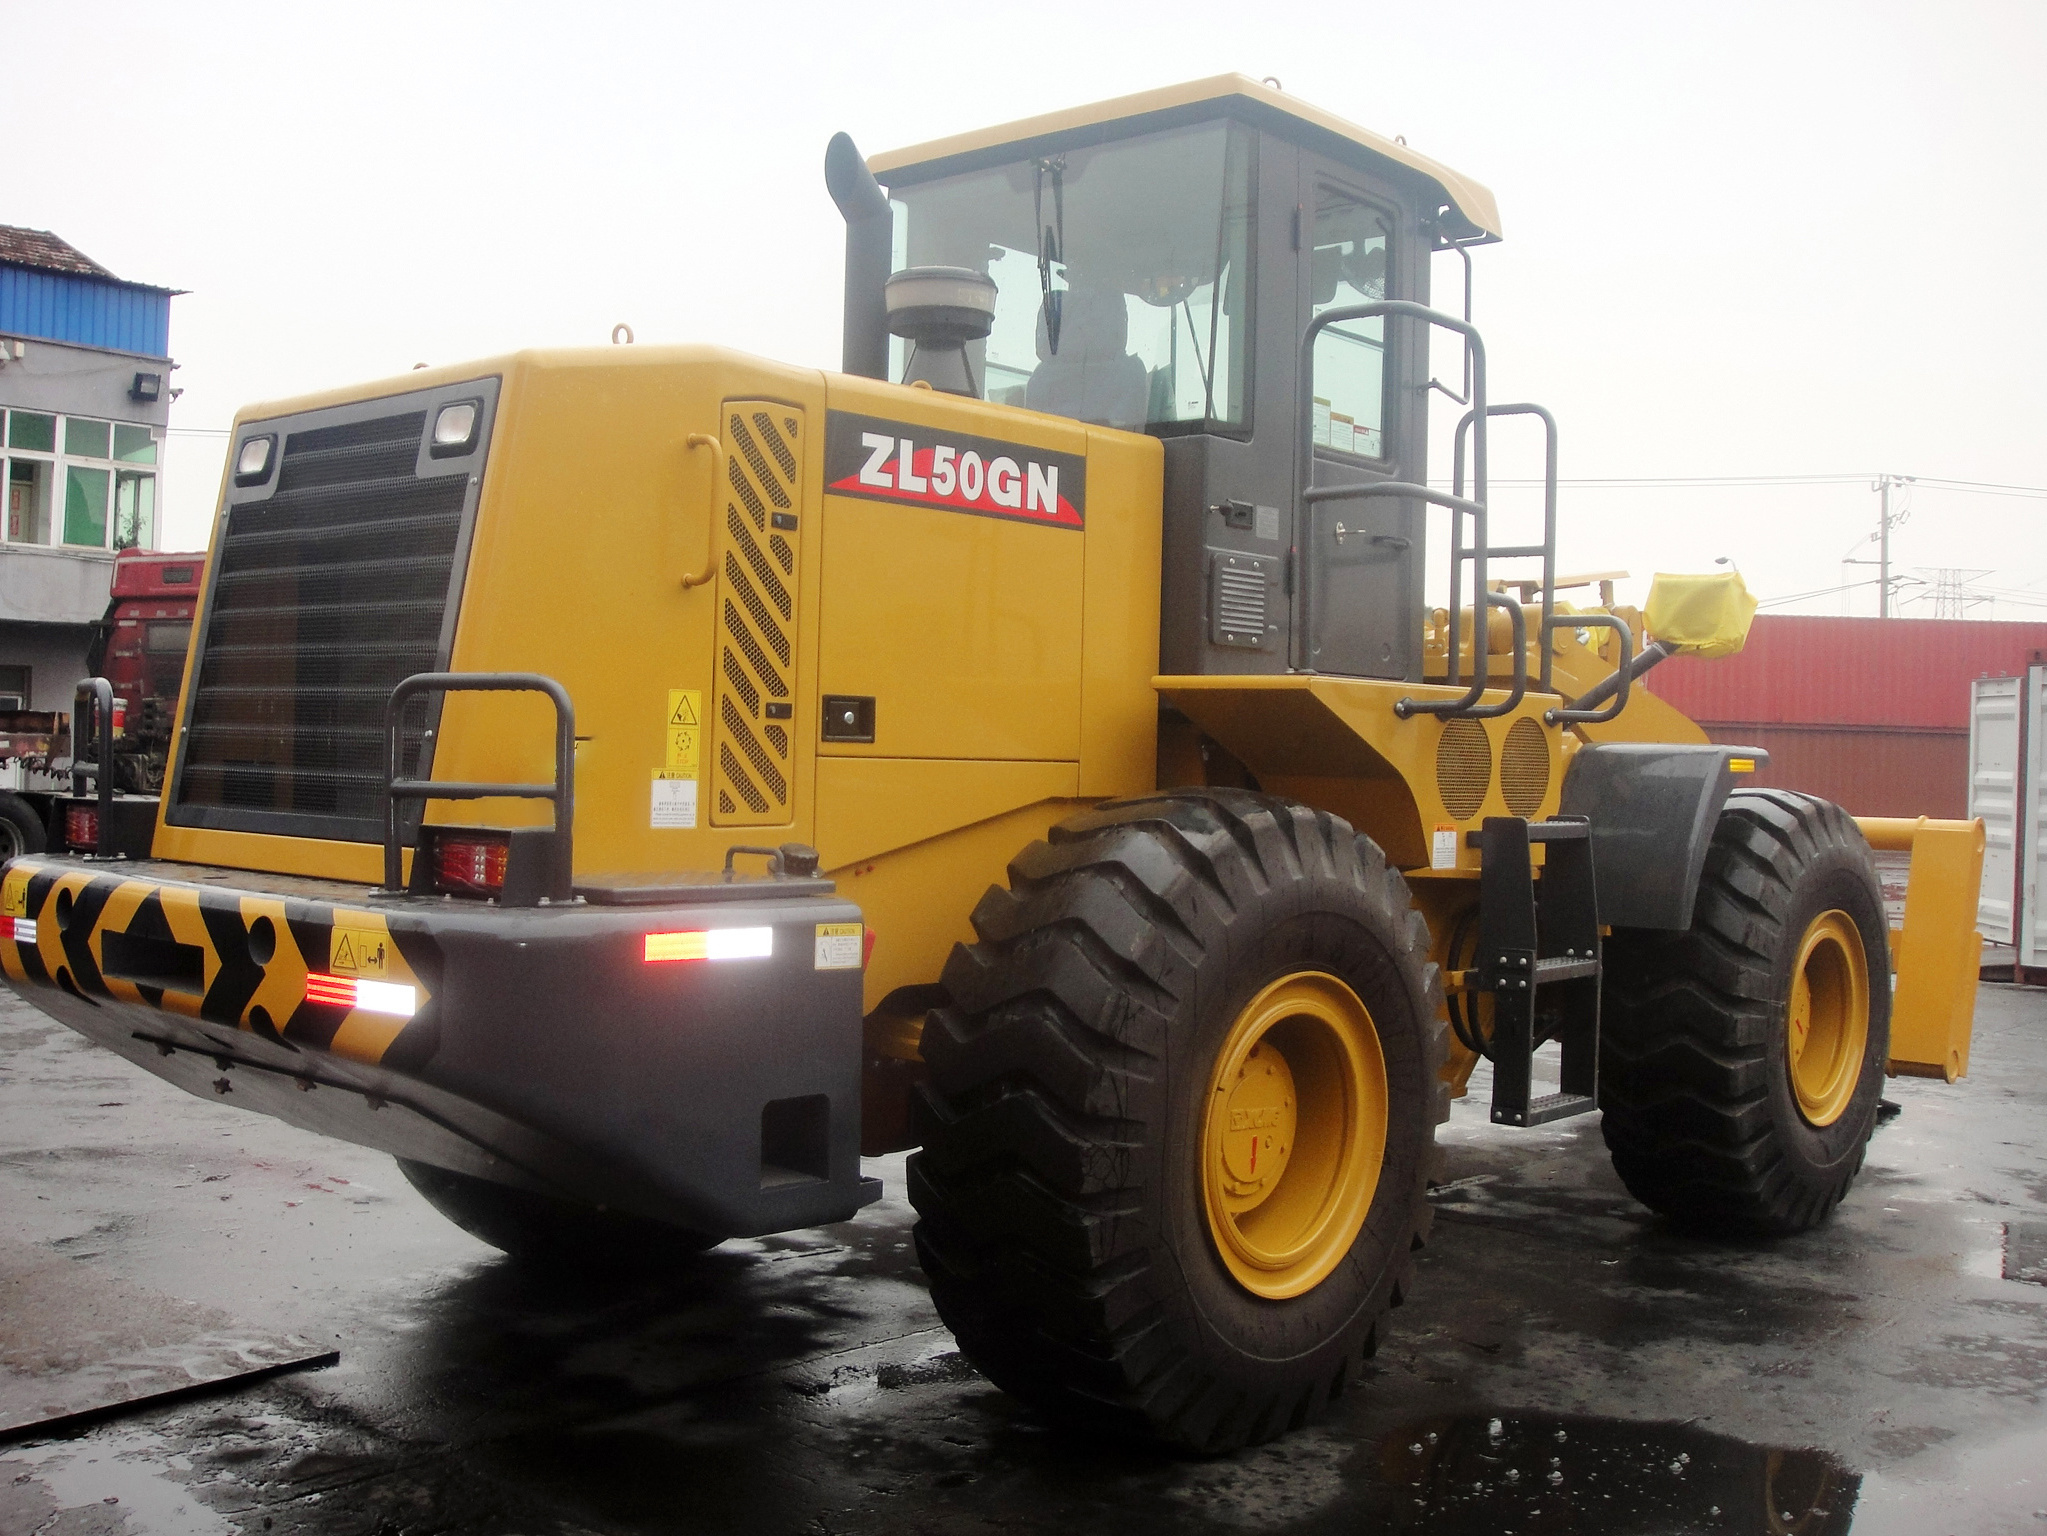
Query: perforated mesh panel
[(326, 595), (1524, 767), (750, 766), (1464, 767)]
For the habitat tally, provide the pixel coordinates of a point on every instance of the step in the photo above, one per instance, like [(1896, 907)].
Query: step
[(1547, 1107)]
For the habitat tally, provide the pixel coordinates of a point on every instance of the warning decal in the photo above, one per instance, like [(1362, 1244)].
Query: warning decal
[(881, 460), (839, 946), (675, 800), (675, 781), (359, 952), (1443, 848), (684, 732)]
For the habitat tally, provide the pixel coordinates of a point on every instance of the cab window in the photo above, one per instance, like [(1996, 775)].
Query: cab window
[(1349, 259), (1122, 275)]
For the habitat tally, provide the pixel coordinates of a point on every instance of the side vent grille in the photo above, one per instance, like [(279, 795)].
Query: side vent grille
[(1524, 767), (751, 767), (1239, 588), (1464, 767)]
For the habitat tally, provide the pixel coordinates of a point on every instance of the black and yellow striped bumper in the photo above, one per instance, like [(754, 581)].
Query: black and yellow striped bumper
[(541, 1047)]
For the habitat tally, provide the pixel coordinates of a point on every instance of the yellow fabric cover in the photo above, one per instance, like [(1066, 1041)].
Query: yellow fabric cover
[(1700, 615)]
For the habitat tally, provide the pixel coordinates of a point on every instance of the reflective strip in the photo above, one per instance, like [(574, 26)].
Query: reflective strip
[(369, 996), (712, 944), (20, 929)]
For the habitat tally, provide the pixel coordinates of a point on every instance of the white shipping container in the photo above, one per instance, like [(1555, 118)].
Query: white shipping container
[(2008, 789), (2032, 916), (1994, 743)]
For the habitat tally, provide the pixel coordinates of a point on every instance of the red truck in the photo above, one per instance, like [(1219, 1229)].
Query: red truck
[(139, 646)]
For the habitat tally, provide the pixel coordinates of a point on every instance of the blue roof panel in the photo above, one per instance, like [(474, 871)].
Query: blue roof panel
[(85, 311)]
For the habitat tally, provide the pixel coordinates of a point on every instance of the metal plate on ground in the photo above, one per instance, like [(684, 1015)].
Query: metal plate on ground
[(2025, 1251), (77, 1342)]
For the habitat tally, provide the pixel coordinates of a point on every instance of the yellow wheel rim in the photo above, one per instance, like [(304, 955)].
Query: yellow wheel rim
[(1295, 1134), (1827, 1024)]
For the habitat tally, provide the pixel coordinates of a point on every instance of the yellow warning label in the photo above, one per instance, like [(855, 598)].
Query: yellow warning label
[(14, 894), (359, 952), (683, 754), (839, 946)]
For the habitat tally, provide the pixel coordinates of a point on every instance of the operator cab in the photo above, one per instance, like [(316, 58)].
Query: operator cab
[(1154, 262)]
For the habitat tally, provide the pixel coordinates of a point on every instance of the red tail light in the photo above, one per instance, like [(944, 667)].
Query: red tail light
[(81, 826), (470, 865)]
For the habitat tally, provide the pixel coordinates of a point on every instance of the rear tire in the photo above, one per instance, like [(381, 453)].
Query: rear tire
[(1084, 1077), (1741, 1068), (21, 830), (540, 1230)]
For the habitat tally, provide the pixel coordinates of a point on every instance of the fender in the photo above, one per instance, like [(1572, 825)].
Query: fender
[(1653, 808)]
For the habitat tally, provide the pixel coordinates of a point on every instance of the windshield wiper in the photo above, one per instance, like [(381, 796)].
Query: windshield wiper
[(1051, 242)]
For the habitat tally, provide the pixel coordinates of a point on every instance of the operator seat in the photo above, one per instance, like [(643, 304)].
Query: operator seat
[(1091, 377)]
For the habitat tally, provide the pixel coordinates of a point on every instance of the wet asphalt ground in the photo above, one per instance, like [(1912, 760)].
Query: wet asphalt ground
[(1566, 1365)]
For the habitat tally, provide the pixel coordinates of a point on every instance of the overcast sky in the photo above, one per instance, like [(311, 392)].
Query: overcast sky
[(1790, 239)]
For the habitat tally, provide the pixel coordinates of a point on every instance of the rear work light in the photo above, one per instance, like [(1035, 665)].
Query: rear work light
[(471, 865), (711, 944), (81, 826), (370, 996)]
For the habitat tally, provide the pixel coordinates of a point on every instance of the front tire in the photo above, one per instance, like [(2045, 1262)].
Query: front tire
[(1744, 1058), (1171, 990)]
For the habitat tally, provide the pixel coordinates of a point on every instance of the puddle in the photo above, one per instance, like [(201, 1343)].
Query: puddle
[(1541, 1474), (123, 1479)]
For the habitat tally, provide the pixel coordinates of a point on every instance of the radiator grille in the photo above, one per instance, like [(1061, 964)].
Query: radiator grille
[(326, 595), (757, 614), (1464, 767), (1524, 767)]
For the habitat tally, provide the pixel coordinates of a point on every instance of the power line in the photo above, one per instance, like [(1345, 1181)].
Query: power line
[(1651, 482)]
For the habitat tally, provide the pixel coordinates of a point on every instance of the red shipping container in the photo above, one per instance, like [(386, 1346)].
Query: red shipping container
[(1870, 713)]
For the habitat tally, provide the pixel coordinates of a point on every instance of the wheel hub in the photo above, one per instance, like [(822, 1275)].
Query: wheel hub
[(1827, 1019), (1295, 1134), (1259, 1136)]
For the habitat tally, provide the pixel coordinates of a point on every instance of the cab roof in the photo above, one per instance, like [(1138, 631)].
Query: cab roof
[(1250, 99)]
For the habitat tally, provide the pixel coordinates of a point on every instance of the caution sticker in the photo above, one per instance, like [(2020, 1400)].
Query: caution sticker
[(684, 732), (14, 894), (839, 946), (359, 952), (1443, 847), (675, 800)]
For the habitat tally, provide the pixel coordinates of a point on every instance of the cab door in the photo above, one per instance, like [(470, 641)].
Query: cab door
[(1358, 594)]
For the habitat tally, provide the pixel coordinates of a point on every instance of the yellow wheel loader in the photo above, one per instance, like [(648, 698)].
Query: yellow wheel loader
[(630, 785)]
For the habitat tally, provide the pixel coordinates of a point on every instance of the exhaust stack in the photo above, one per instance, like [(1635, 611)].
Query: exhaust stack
[(869, 231)]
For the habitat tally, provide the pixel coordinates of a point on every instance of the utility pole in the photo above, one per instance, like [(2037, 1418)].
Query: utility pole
[(1883, 553), (1883, 533)]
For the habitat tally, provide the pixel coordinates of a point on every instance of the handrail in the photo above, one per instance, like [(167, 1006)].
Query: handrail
[(1468, 706), (698, 578), (562, 792), (1458, 505), (99, 693), (1548, 548), (1617, 681), (1579, 710)]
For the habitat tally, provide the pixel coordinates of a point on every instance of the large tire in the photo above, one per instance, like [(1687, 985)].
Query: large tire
[(1739, 1099), (1078, 1124), (21, 830), (548, 1232)]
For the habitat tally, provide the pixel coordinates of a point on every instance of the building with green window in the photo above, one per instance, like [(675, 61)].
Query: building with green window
[(84, 396)]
